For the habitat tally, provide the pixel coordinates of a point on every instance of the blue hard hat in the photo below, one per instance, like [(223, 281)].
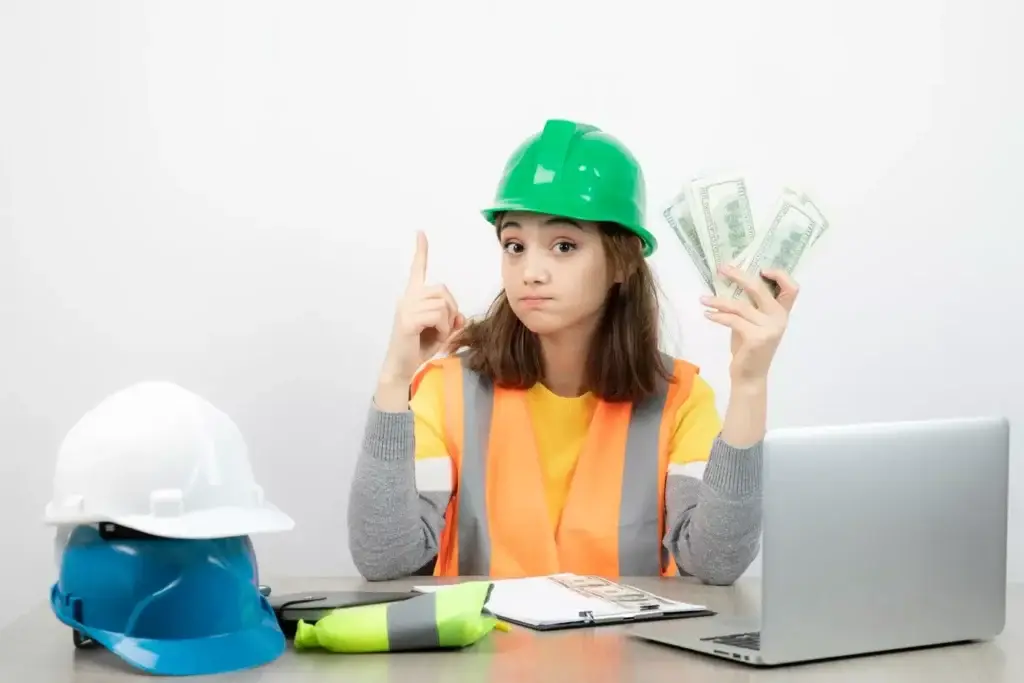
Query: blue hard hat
[(168, 606)]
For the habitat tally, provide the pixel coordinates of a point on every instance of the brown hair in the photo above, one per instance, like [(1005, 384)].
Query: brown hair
[(624, 361)]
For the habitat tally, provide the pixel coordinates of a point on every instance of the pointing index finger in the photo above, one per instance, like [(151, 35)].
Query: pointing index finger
[(418, 272)]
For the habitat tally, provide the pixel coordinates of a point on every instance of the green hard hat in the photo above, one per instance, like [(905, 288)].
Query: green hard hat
[(578, 171)]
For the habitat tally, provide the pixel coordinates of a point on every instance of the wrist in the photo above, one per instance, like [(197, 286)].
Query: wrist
[(745, 420), (394, 374), (392, 394), (749, 386), (393, 379)]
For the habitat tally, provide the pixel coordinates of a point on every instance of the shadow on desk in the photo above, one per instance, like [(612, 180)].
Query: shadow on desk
[(520, 656), (37, 647), (982, 662), (604, 656)]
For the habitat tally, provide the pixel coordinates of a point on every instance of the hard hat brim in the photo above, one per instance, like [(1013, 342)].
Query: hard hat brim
[(224, 522), (255, 646)]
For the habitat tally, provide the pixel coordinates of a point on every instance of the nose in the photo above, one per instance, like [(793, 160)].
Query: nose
[(535, 269)]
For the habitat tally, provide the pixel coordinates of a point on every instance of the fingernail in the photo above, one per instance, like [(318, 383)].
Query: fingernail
[(705, 299)]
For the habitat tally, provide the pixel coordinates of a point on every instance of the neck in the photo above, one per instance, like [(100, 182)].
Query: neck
[(565, 360)]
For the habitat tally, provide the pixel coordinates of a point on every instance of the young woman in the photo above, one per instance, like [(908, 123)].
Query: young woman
[(555, 436)]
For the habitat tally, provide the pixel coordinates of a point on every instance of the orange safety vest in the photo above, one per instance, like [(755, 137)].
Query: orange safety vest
[(497, 523)]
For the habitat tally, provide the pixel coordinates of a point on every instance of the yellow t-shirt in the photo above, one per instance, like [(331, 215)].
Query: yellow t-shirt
[(560, 426)]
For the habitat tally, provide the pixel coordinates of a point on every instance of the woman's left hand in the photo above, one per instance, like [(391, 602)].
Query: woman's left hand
[(757, 327)]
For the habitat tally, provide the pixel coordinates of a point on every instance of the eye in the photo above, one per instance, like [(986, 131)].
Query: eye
[(512, 247), (564, 247)]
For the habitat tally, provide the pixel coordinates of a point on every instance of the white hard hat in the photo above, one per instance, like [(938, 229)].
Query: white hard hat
[(159, 459)]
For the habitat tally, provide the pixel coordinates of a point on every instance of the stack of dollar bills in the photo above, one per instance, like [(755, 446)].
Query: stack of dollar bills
[(713, 220)]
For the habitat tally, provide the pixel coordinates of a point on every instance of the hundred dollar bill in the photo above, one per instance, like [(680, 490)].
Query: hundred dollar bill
[(723, 221), (679, 218), (809, 205), (783, 243), (799, 198), (622, 595)]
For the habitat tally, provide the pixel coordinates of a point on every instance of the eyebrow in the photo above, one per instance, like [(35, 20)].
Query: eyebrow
[(550, 221)]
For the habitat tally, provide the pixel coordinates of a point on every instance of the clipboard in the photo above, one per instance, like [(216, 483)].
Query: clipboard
[(566, 601), (587, 620)]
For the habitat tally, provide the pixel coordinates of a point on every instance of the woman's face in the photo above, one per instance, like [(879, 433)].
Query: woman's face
[(554, 270)]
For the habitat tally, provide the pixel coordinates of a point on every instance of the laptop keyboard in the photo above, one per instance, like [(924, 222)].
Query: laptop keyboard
[(750, 641)]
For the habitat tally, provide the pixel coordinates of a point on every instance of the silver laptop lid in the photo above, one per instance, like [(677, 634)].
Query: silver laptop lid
[(880, 536)]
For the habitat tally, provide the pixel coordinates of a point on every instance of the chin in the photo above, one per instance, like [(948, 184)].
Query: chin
[(543, 328), (542, 322)]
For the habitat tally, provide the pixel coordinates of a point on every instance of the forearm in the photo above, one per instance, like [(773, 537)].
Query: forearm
[(393, 530), (392, 395), (713, 523), (746, 416)]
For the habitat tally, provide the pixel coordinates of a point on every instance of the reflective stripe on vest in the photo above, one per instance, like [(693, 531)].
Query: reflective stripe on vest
[(497, 522)]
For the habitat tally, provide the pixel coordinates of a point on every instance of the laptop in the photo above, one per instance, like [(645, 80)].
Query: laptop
[(876, 538)]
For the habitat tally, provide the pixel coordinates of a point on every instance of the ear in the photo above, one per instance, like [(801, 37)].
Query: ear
[(622, 272), (627, 265)]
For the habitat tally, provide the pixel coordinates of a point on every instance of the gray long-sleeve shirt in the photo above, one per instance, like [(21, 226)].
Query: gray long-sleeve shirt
[(712, 518)]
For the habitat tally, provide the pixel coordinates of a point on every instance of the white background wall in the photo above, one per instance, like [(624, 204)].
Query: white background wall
[(225, 194)]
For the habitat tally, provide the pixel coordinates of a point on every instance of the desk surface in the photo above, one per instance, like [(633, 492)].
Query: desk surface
[(37, 647)]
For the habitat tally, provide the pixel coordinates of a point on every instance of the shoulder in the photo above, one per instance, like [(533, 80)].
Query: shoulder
[(700, 390), (692, 393), (427, 403), (695, 416), (435, 385), (687, 381), (429, 379)]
